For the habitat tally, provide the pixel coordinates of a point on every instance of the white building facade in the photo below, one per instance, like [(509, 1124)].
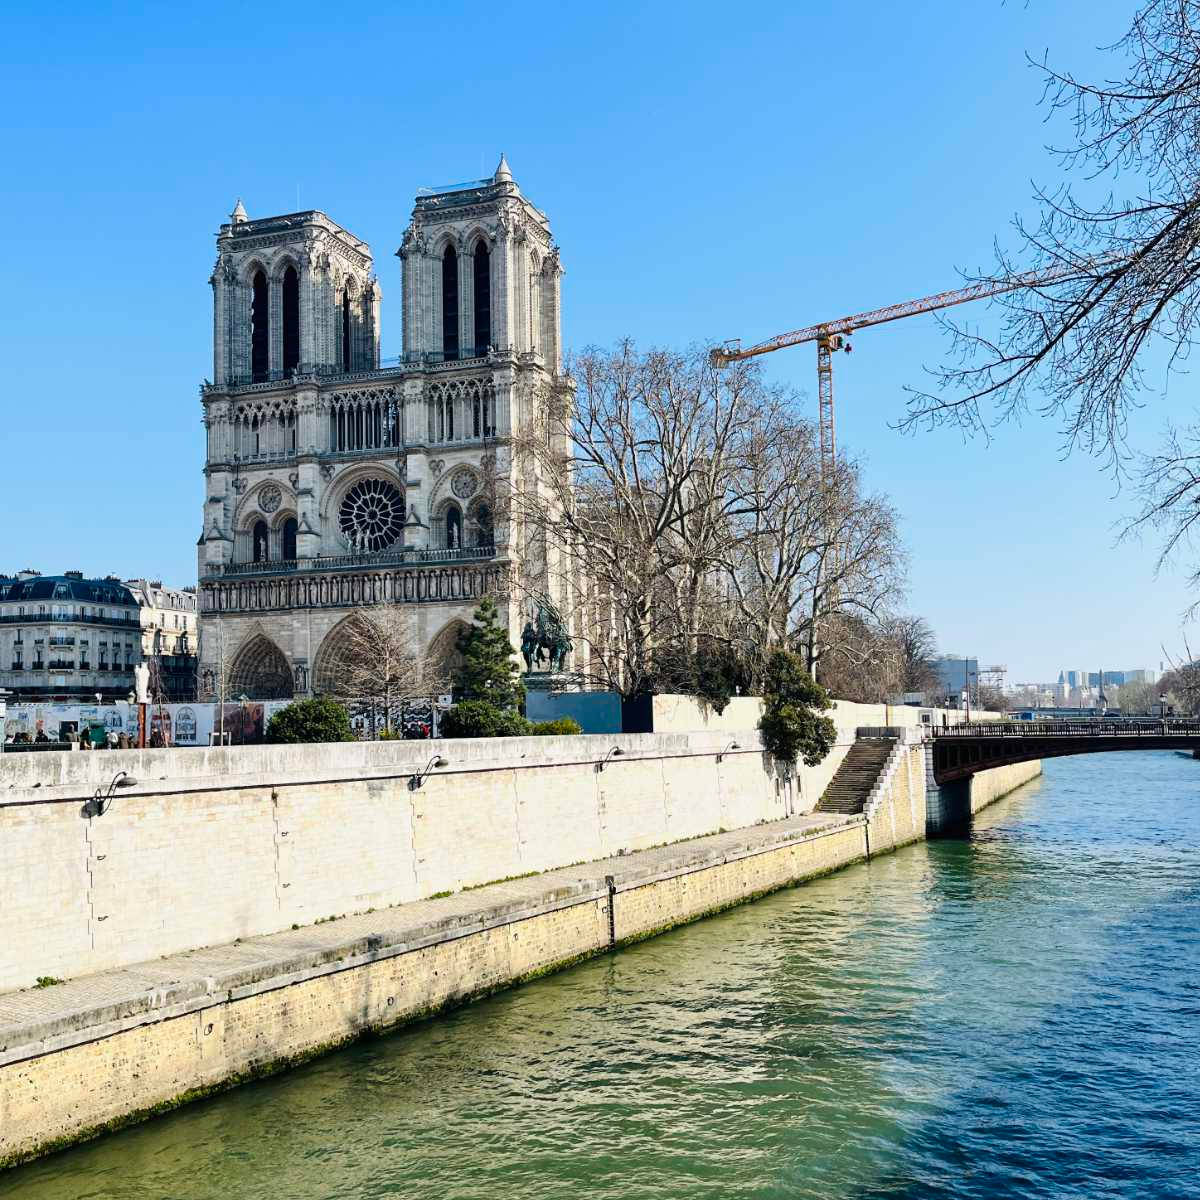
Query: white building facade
[(335, 480), (67, 638)]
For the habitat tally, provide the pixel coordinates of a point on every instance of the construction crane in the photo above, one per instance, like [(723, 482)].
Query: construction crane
[(834, 335)]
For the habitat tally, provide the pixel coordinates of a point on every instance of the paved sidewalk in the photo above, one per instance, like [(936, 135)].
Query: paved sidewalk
[(40, 1020)]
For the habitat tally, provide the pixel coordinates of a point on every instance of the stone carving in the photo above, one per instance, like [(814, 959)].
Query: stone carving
[(239, 486), (435, 466), (270, 498), (371, 516), (327, 470), (463, 484), (294, 480)]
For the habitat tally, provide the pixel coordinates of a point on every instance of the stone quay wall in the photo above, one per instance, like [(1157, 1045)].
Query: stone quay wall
[(259, 868), (212, 845)]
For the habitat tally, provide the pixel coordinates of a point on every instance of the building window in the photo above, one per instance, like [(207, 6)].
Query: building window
[(450, 304), (289, 540), (484, 535), (259, 327), (483, 298), (453, 527), (346, 330), (261, 542), (291, 319)]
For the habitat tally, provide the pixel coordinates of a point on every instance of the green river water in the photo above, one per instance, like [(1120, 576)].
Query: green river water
[(1013, 1014)]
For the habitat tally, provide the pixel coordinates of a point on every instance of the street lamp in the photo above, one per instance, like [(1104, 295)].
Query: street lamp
[(615, 752), (243, 700), (4, 694), (418, 780), (101, 802)]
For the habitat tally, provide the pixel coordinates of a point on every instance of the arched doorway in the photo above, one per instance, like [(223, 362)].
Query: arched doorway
[(260, 671)]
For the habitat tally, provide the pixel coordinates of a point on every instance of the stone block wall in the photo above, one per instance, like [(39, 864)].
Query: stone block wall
[(215, 845)]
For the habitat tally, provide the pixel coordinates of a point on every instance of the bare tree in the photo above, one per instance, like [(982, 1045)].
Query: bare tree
[(623, 504), (216, 678), (1121, 272), (917, 648), (680, 514), (376, 665), (1116, 242)]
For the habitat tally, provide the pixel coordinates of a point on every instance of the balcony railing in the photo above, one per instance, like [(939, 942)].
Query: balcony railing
[(393, 364), (62, 619), (334, 562)]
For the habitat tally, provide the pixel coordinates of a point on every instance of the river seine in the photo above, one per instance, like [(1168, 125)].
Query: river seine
[(1012, 1015)]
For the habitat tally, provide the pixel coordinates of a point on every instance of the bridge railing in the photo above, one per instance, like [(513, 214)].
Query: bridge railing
[(1177, 726)]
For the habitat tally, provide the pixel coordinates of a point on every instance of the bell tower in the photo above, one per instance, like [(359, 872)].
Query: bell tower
[(481, 274), (292, 295)]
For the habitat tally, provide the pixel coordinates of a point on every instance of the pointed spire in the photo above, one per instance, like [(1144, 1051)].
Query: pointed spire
[(503, 174), (239, 212)]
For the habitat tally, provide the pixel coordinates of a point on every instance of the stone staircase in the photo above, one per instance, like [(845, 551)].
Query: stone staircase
[(851, 785)]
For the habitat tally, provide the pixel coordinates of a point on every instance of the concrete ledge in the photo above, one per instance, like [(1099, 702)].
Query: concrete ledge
[(40, 1021)]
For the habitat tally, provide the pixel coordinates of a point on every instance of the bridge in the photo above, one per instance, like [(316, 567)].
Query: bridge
[(961, 750)]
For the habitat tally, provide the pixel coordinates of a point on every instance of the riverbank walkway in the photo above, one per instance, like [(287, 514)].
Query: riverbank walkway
[(39, 1021)]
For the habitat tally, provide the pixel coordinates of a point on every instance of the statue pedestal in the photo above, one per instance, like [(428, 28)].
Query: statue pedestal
[(549, 681)]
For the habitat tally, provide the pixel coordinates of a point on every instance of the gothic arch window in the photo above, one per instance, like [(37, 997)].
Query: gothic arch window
[(535, 301), (289, 539), (450, 304), (261, 542), (259, 326), (291, 319), (482, 529), (454, 527), (483, 298), (346, 322)]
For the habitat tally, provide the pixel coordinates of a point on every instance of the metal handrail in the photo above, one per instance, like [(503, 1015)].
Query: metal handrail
[(1133, 727)]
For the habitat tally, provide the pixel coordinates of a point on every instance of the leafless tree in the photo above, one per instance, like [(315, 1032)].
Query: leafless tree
[(917, 648), (1116, 242), (376, 665), (679, 512), (624, 502)]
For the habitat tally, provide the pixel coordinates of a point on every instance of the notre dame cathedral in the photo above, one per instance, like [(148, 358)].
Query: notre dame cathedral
[(334, 479)]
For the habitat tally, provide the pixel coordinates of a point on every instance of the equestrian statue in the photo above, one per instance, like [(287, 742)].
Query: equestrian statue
[(547, 638)]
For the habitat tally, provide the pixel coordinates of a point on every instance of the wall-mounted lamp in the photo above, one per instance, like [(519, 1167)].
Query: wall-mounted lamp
[(615, 752), (731, 746), (418, 780), (101, 802)]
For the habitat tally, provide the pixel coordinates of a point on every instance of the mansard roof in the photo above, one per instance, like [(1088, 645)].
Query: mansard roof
[(67, 587)]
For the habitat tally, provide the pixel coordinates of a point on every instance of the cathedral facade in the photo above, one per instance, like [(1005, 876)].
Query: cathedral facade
[(335, 480)]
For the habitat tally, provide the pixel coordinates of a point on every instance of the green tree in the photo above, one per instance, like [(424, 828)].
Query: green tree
[(792, 701), (322, 719), (490, 671)]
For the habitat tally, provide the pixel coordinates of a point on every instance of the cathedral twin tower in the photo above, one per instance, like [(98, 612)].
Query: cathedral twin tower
[(336, 480)]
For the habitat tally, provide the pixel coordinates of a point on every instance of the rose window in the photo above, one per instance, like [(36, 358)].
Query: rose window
[(371, 516)]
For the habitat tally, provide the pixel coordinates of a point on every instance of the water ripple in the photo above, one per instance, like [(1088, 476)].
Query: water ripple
[(1012, 1015)]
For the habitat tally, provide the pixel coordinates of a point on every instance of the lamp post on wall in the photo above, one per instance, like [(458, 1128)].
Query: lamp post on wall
[(243, 700), (4, 694)]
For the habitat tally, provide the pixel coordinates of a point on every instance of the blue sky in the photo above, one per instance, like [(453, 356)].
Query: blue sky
[(711, 171)]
